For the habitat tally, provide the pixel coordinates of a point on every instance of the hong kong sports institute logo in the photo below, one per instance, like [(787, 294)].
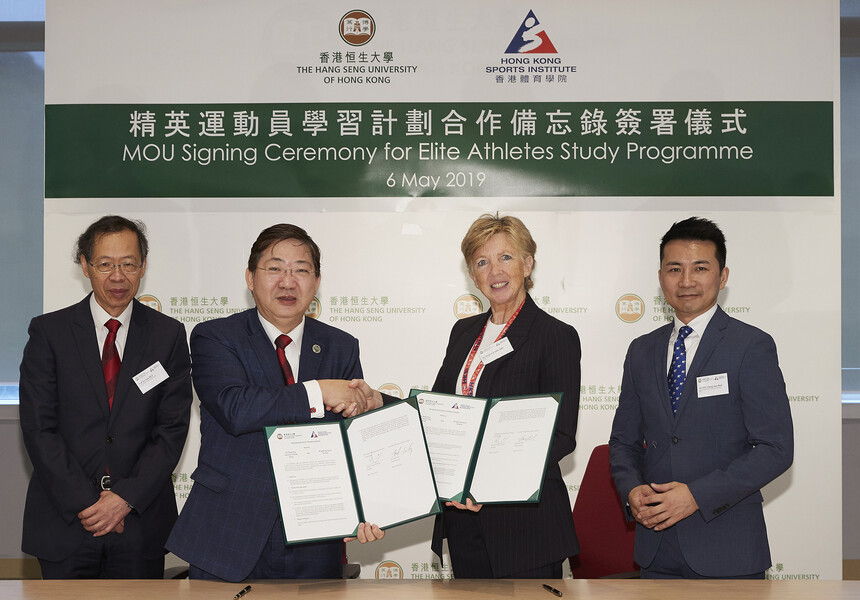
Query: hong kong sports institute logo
[(357, 27), (531, 38)]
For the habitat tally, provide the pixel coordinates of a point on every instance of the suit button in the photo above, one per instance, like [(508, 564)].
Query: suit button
[(109, 440), (675, 440)]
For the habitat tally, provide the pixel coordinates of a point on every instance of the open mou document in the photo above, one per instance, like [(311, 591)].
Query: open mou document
[(331, 476), (392, 465), (490, 450), (312, 480)]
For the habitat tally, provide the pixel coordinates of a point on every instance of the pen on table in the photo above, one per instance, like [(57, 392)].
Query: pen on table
[(244, 591), (552, 590)]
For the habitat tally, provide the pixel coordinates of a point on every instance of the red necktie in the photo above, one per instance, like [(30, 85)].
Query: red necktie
[(282, 342), (110, 359)]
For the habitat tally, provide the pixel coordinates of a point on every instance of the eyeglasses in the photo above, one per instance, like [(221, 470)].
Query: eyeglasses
[(128, 267), (300, 273)]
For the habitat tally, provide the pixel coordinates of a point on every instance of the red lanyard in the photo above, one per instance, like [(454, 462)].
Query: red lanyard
[(469, 390)]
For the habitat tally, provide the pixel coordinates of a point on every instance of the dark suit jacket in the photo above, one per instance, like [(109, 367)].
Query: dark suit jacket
[(545, 360), (724, 447), (71, 436), (231, 509)]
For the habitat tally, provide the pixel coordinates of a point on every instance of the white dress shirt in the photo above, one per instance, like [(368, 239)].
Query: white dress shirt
[(101, 316), (293, 353), (691, 342)]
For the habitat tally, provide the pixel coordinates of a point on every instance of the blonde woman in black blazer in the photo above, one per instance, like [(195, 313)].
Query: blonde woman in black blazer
[(517, 540)]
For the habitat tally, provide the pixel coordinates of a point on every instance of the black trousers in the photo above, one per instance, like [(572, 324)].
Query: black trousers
[(111, 556), (470, 559)]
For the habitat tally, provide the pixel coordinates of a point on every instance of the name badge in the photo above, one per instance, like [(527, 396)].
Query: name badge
[(496, 350), (712, 385), (150, 377)]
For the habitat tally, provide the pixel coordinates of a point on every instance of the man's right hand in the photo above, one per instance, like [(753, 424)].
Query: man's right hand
[(372, 397), (638, 499), (106, 515), (339, 397), (660, 505)]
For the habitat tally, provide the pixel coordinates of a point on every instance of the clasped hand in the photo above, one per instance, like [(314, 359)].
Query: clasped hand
[(106, 515), (349, 398), (660, 505)]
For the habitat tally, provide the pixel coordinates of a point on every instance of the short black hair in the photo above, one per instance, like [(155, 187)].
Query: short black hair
[(279, 233), (700, 230), (110, 224)]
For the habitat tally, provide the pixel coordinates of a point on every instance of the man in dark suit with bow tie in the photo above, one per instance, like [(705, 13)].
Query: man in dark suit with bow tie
[(703, 423), (105, 401)]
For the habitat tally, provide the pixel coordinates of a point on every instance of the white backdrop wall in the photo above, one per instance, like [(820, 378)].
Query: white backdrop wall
[(392, 272)]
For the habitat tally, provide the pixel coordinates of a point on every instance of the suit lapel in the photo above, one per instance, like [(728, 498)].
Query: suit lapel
[(87, 347), (135, 348), (263, 348), (517, 334), (519, 330), (661, 370), (714, 334), (312, 351), (461, 346)]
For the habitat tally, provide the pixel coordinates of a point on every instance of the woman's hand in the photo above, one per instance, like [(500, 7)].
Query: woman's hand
[(468, 506)]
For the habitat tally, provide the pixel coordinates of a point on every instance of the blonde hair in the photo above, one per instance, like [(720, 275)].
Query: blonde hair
[(488, 225)]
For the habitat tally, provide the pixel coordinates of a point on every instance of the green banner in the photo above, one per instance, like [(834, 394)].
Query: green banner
[(440, 149)]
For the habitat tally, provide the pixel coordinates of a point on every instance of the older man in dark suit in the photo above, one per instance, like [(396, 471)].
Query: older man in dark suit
[(105, 400), (703, 423), (266, 366)]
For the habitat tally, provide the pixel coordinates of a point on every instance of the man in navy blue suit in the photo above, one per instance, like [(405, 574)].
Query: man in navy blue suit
[(105, 403), (703, 423), (269, 365)]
